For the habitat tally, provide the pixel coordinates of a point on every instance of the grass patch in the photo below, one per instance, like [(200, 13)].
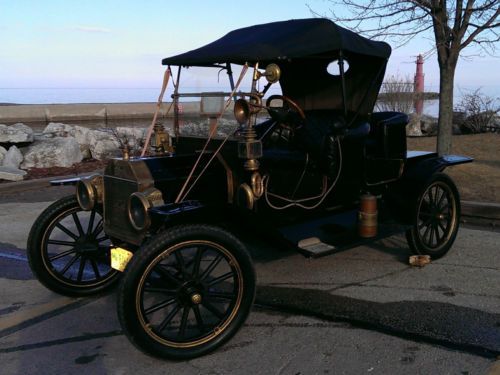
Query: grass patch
[(477, 181)]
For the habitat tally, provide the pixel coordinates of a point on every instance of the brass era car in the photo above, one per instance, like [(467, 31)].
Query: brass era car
[(319, 171)]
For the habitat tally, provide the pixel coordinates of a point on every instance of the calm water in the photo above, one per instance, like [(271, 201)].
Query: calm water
[(53, 96), (134, 95)]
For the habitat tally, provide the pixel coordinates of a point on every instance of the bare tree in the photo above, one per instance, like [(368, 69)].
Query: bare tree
[(396, 95), (454, 25)]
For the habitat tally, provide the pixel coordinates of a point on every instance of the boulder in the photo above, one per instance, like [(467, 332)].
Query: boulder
[(82, 136), (413, 129), (3, 151), (58, 129), (97, 144), (134, 136), (17, 133), (103, 145), (53, 152), (429, 125), (11, 174), (13, 158), (80, 133)]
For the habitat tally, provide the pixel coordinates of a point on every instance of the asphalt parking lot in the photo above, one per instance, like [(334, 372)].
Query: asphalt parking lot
[(361, 311)]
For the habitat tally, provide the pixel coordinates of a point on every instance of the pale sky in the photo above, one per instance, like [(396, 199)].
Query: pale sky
[(120, 43)]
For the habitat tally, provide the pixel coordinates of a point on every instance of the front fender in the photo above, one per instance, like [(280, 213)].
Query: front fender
[(191, 211), (65, 182)]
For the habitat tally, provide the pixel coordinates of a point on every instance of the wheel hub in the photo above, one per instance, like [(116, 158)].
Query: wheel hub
[(190, 294), (196, 298)]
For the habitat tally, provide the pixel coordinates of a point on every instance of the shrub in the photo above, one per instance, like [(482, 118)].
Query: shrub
[(479, 112)]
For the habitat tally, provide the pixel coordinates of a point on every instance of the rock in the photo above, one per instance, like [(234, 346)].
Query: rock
[(429, 125), (103, 145), (3, 151), (58, 129), (496, 121), (17, 133), (82, 136), (413, 129), (134, 133), (80, 133), (11, 174), (201, 129), (13, 158), (54, 152), (134, 136), (98, 144)]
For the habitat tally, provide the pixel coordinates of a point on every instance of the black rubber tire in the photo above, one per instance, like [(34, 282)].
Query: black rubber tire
[(43, 267), (416, 241), (130, 304)]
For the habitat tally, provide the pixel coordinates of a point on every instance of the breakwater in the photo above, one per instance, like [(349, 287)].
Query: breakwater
[(138, 114)]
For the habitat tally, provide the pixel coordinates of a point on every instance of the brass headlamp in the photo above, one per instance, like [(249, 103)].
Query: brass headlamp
[(139, 204), (89, 191)]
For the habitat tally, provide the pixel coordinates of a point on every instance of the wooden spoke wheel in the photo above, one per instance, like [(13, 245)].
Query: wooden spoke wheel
[(186, 292), (436, 219), (68, 250)]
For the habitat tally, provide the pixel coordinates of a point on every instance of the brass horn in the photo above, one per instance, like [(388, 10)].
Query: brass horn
[(273, 73), (241, 111)]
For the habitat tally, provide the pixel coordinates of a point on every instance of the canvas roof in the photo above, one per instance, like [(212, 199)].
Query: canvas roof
[(284, 40)]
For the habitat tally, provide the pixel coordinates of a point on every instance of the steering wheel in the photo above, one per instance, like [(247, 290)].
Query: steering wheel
[(287, 114)]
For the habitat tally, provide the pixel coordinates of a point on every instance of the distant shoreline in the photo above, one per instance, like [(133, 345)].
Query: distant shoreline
[(426, 96), (85, 103)]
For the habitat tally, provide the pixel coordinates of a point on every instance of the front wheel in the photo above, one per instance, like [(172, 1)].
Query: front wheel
[(68, 250), (186, 292), (436, 218)]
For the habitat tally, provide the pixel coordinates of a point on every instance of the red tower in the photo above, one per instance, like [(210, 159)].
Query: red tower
[(418, 87)]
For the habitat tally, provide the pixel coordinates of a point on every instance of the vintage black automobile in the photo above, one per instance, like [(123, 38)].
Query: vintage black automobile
[(320, 173)]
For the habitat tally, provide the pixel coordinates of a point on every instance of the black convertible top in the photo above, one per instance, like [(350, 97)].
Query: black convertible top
[(285, 40)]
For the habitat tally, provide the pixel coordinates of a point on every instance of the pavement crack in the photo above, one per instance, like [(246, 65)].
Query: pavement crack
[(430, 290), (282, 368), (67, 340), (360, 283), (45, 316), (466, 266)]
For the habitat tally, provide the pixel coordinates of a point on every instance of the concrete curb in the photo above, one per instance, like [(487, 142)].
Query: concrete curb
[(481, 210), (45, 113)]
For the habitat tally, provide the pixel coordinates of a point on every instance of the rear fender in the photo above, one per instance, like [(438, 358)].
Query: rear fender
[(402, 196), (419, 171)]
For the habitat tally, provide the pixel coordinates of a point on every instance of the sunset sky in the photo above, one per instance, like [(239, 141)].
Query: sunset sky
[(114, 44)]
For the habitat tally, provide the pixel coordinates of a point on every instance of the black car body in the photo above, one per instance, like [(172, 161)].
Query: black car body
[(300, 175)]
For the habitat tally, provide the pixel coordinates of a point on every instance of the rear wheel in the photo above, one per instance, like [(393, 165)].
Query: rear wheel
[(436, 218), (68, 250), (186, 292)]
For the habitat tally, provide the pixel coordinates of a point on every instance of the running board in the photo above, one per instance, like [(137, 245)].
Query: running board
[(333, 234), (315, 248)]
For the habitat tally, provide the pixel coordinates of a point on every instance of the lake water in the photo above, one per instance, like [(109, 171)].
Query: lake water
[(127, 95), (77, 95)]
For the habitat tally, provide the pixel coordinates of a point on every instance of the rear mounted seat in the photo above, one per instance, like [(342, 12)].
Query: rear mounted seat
[(388, 135)]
